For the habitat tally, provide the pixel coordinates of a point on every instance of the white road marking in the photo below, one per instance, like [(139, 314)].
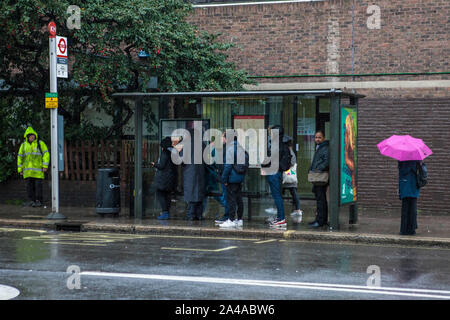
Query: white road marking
[(265, 241), (418, 293), (7, 292), (204, 250)]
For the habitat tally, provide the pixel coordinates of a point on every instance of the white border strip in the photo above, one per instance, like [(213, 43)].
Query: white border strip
[(417, 293), (405, 84), (250, 3)]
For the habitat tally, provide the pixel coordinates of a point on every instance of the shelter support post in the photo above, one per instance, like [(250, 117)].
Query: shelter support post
[(138, 159), (333, 206)]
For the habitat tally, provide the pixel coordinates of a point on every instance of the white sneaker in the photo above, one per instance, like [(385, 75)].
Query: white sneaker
[(270, 219), (239, 223), (297, 213), (220, 221), (279, 224), (228, 224), (271, 211)]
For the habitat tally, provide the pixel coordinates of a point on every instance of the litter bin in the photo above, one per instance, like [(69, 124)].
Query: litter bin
[(108, 191)]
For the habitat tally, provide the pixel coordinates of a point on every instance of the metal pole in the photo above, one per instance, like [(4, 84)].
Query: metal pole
[(333, 206), (54, 134), (138, 159)]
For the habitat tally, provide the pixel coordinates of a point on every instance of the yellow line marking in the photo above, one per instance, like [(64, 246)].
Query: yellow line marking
[(287, 234), (17, 229), (76, 243), (203, 250), (201, 237), (144, 236), (265, 241)]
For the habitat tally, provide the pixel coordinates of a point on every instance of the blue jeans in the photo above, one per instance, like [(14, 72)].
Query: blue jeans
[(275, 181)]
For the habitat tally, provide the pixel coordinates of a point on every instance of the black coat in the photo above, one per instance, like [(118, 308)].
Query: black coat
[(194, 180), (321, 160), (166, 174)]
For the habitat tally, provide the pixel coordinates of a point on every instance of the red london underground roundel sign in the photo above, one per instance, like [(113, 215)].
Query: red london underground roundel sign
[(62, 45)]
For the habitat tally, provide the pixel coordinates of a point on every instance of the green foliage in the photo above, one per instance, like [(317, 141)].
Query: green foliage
[(103, 59), (16, 114)]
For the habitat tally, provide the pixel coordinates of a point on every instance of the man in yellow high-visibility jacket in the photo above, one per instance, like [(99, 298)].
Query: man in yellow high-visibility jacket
[(32, 162)]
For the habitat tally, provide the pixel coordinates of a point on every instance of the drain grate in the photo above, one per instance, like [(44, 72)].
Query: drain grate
[(75, 227)]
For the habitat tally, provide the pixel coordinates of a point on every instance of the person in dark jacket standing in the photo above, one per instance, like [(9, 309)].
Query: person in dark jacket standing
[(233, 180), (275, 179), (320, 163), (292, 186), (166, 177), (408, 193), (194, 179)]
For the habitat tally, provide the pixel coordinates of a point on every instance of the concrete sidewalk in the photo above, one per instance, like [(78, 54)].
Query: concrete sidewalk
[(372, 227)]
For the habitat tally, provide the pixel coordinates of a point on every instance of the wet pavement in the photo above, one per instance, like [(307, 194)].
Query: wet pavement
[(373, 226), (52, 265)]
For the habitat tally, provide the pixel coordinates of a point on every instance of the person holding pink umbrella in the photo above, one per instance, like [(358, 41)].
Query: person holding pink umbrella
[(408, 193), (409, 152)]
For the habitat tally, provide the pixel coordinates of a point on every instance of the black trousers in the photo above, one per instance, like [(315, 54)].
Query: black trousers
[(234, 200), (195, 210), (322, 204), (163, 199), (34, 189), (408, 223), (295, 201)]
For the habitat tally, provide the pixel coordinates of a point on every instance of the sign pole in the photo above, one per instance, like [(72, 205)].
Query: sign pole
[(54, 126)]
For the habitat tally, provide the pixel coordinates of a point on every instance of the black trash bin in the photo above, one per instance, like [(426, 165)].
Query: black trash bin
[(108, 191)]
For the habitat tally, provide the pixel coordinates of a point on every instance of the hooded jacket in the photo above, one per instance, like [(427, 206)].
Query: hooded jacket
[(407, 179), (32, 158)]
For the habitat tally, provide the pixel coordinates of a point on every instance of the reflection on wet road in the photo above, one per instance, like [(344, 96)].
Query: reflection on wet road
[(140, 266)]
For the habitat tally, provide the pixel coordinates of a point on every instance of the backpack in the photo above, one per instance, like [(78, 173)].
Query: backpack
[(422, 174), (241, 168), (285, 157)]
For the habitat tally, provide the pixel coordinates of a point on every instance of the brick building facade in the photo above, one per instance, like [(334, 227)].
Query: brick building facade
[(396, 53)]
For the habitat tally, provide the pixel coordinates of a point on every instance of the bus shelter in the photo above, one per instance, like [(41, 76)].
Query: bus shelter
[(300, 112)]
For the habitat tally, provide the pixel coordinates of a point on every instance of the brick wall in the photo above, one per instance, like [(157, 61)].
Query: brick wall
[(316, 38), (380, 118), (311, 37)]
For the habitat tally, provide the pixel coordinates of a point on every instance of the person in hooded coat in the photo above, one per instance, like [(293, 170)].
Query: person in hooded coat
[(408, 193), (165, 178), (33, 160)]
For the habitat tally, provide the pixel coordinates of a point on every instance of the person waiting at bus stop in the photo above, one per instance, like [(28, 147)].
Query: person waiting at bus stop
[(320, 163), (33, 160), (232, 179)]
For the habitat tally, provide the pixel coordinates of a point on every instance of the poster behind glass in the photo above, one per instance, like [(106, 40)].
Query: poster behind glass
[(348, 163)]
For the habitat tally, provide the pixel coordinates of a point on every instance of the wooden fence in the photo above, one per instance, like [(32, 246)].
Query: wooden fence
[(82, 159)]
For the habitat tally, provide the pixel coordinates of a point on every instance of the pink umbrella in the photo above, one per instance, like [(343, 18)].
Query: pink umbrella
[(404, 148)]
